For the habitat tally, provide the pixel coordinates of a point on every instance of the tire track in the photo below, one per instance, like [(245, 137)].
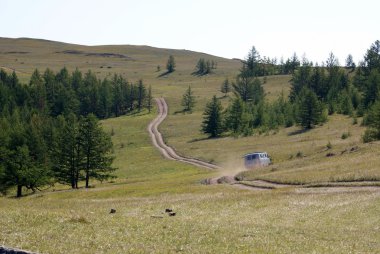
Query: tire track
[(158, 141)]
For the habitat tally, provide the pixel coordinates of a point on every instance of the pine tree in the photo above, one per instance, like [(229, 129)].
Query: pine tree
[(310, 110), (212, 118), (67, 152), (38, 92), (225, 87), (86, 152), (372, 88), (149, 99), (234, 116), (350, 64), (23, 161), (300, 79), (105, 99), (96, 147), (200, 68), (188, 100), (252, 63), (248, 88), (117, 95), (140, 95), (372, 133), (170, 66)]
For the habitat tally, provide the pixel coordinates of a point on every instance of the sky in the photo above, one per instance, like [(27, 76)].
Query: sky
[(218, 27)]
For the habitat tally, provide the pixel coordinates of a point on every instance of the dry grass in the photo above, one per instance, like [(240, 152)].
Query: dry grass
[(220, 220)]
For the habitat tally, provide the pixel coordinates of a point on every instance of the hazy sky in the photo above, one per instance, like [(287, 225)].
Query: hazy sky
[(219, 27)]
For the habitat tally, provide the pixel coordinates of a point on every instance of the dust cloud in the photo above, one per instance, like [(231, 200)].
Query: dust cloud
[(232, 167)]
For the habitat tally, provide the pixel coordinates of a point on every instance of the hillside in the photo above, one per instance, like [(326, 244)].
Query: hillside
[(209, 218), (134, 62)]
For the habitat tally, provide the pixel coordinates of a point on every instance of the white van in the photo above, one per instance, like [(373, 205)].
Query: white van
[(256, 159)]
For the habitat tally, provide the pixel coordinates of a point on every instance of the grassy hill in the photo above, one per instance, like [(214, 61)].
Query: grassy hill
[(209, 219)]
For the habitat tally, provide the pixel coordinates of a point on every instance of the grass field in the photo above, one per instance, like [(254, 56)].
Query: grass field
[(209, 219)]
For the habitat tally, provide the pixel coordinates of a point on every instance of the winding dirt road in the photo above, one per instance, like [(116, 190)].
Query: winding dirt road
[(167, 151)]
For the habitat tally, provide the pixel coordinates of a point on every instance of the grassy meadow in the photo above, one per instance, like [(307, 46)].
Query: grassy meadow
[(209, 218)]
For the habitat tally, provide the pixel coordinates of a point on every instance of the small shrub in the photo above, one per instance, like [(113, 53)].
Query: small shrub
[(112, 132), (346, 135), (239, 177), (370, 135), (329, 145), (122, 145), (299, 154)]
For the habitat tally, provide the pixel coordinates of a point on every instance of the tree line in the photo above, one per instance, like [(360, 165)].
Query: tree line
[(50, 130), (59, 93), (316, 92)]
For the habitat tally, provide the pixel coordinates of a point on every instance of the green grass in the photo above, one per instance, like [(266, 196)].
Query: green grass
[(220, 220), (210, 219)]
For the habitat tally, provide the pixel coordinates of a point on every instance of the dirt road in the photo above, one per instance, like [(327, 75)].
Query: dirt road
[(167, 151)]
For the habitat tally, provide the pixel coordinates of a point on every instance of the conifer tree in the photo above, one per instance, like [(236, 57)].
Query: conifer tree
[(200, 67), (96, 148), (170, 65), (149, 99), (350, 64), (23, 162), (225, 87), (188, 100), (248, 88), (38, 92), (310, 110), (212, 118), (234, 116), (68, 157), (141, 94), (372, 132)]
